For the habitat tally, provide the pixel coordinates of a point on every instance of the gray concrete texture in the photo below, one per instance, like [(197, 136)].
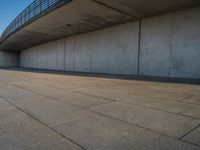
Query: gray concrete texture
[(44, 111), (103, 51), (9, 59), (142, 9), (169, 47), (80, 16)]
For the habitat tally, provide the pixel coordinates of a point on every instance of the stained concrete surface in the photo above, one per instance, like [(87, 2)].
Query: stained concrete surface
[(194, 136), (167, 46), (9, 59), (61, 111), (113, 50), (78, 16)]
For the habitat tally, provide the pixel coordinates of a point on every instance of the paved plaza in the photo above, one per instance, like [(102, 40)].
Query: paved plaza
[(48, 111)]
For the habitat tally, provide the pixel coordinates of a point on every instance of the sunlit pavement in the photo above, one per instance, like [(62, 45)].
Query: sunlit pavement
[(44, 111)]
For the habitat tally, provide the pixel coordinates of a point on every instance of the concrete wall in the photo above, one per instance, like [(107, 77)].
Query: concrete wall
[(169, 47), (8, 59), (112, 50), (46, 56)]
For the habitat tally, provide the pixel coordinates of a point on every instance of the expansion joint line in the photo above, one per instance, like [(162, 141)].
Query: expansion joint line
[(47, 126), (181, 138), (120, 11), (139, 49)]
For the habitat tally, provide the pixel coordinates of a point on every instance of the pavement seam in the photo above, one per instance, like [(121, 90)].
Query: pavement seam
[(61, 100), (189, 132), (157, 109), (126, 122), (115, 100), (189, 96), (198, 145), (36, 119), (89, 110), (150, 130), (69, 88), (94, 96), (51, 97), (181, 101)]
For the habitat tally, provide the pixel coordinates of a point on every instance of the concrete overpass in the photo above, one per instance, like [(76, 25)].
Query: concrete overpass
[(147, 38), (82, 16)]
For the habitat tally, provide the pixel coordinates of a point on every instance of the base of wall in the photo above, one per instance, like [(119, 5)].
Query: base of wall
[(111, 76)]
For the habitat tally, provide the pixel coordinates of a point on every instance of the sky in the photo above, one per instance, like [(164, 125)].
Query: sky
[(9, 10)]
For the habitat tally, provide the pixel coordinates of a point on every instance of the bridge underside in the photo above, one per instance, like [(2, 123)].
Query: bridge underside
[(81, 16)]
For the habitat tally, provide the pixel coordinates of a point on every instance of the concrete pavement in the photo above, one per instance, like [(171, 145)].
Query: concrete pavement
[(44, 111)]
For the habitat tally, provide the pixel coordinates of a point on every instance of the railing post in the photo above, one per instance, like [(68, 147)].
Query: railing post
[(20, 20), (29, 13), (34, 8), (40, 6)]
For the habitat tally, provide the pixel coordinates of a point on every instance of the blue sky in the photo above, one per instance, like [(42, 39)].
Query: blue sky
[(9, 9)]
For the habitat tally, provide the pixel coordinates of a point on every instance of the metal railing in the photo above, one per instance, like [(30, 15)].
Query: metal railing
[(35, 10)]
